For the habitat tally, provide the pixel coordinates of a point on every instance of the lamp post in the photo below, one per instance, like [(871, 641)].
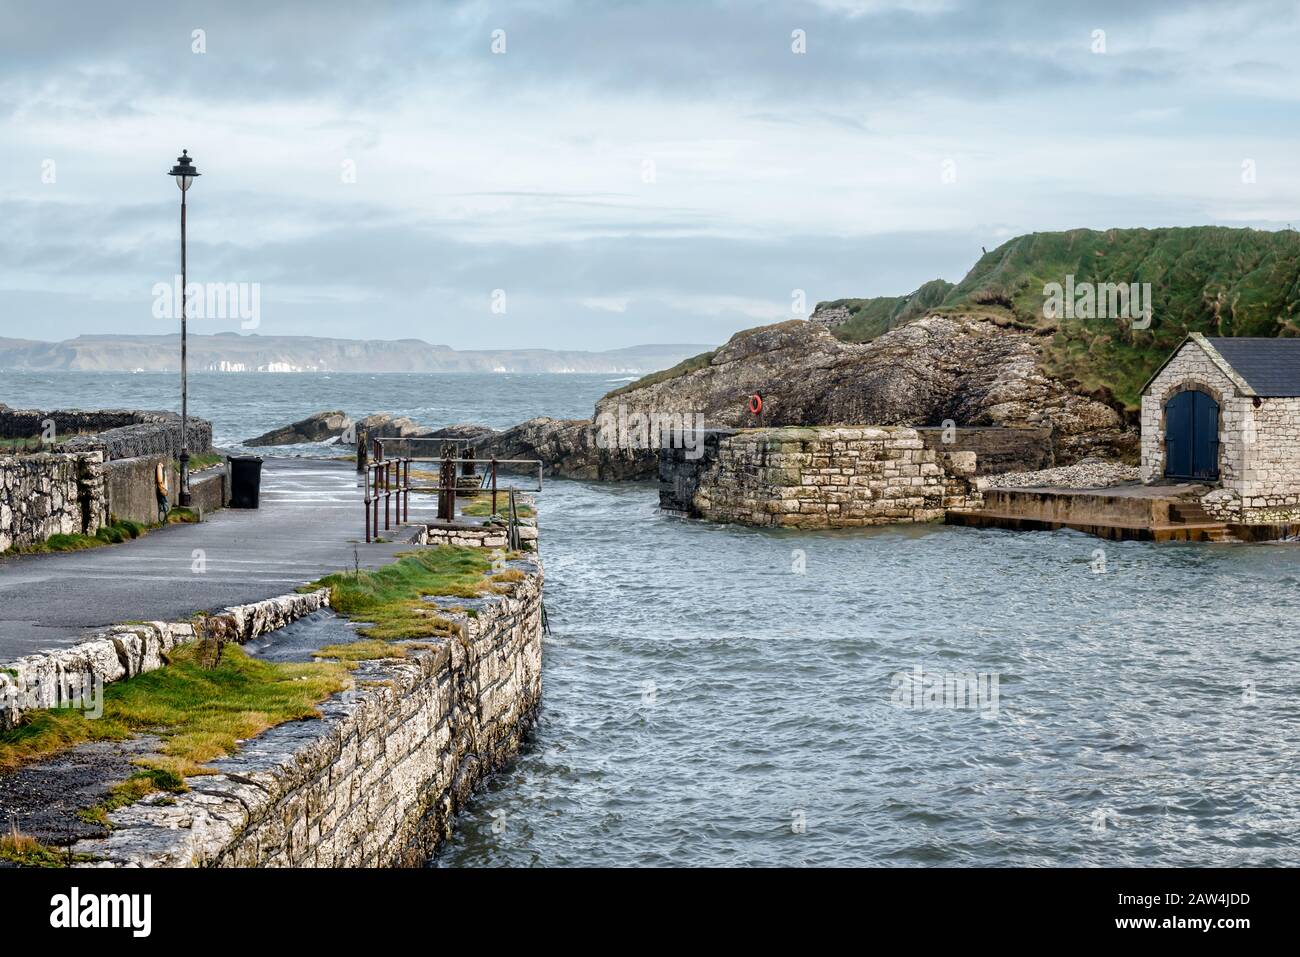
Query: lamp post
[(185, 173)]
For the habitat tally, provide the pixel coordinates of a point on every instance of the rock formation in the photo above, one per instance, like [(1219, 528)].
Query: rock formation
[(965, 369), (568, 447), (315, 428)]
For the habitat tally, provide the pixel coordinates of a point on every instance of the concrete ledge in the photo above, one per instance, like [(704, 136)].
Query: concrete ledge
[(1133, 505), (1114, 531)]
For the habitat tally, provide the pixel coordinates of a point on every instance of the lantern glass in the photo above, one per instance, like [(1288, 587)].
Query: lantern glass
[(184, 182)]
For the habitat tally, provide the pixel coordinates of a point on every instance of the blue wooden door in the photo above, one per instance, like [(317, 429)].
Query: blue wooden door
[(1191, 436)]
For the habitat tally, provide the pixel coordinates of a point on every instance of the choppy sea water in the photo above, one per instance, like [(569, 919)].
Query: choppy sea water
[(716, 695)]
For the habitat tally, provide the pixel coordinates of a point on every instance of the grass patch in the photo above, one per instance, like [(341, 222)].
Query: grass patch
[(120, 530), (200, 714), (28, 852), (201, 460), (180, 515), (869, 318), (503, 578), (388, 599), (35, 443), (482, 506), (654, 378), (135, 787), (369, 649)]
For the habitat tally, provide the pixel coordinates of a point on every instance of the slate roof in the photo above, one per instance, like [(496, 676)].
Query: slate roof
[(1270, 366)]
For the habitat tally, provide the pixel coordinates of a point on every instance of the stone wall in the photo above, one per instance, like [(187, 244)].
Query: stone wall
[(467, 535), (75, 485), (48, 494), (997, 450), (1259, 444), (377, 780), (118, 433), (681, 476), (59, 678), (824, 477), (831, 316), (130, 487), (28, 423), (61, 493), (160, 436)]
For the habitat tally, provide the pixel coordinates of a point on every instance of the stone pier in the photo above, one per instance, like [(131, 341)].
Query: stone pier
[(817, 477)]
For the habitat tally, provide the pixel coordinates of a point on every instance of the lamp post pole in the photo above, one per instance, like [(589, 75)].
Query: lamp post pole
[(184, 172), (184, 496)]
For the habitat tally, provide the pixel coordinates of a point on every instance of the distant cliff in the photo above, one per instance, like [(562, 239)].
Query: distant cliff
[(231, 352)]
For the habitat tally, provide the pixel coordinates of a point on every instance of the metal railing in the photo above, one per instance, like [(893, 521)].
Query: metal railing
[(389, 480), (384, 480)]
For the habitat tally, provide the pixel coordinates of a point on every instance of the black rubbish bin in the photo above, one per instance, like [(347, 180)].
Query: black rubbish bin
[(245, 480)]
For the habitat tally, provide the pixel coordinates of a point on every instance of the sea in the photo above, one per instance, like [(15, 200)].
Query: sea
[(898, 696)]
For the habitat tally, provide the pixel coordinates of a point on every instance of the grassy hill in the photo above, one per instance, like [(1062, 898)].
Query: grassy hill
[(1210, 279), (872, 317)]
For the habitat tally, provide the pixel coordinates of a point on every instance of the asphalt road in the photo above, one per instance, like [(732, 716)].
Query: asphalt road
[(310, 520)]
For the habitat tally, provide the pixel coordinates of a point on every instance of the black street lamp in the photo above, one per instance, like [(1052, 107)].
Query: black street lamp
[(185, 173)]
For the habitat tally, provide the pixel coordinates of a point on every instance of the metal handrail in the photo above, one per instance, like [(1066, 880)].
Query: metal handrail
[(386, 478)]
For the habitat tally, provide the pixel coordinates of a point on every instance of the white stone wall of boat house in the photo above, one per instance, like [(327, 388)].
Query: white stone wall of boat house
[(1259, 446)]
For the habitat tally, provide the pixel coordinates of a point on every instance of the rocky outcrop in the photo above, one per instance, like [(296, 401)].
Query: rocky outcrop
[(569, 448), (387, 426), (464, 431), (315, 428), (965, 369)]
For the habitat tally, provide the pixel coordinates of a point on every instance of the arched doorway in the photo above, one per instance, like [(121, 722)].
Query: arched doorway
[(1191, 436)]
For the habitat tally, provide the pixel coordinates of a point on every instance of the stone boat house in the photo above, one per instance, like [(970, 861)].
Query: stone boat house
[(1226, 412)]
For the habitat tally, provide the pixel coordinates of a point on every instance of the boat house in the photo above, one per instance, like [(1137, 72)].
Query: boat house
[(1226, 412)]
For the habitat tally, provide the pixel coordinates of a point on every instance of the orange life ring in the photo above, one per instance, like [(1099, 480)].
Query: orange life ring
[(755, 403)]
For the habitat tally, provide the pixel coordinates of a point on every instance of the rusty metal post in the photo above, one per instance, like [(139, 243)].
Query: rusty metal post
[(494, 485), (406, 493), (366, 501), (388, 522), (374, 470), (447, 488)]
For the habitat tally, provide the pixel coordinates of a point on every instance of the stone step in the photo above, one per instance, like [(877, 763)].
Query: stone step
[(1189, 513)]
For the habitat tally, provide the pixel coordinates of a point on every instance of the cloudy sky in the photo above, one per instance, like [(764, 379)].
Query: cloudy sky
[(623, 172)]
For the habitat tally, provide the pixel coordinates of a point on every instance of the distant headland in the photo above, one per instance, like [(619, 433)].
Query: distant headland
[(232, 352)]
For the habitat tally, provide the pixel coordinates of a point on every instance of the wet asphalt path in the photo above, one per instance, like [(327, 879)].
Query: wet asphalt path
[(310, 518)]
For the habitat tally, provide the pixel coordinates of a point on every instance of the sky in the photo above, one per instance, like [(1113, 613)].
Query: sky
[(594, 175)]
